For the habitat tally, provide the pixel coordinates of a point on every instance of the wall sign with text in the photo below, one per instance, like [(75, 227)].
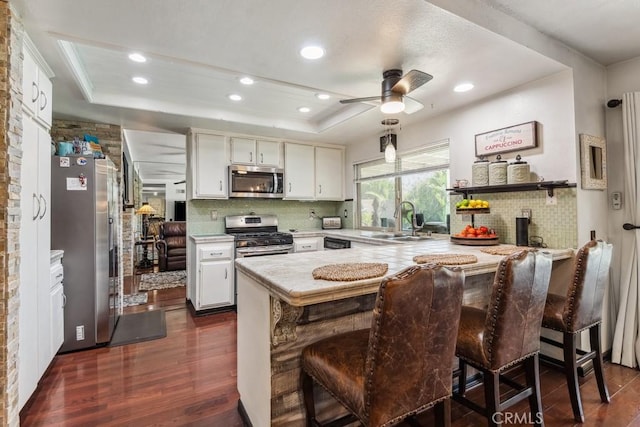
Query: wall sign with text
[(512, 138)]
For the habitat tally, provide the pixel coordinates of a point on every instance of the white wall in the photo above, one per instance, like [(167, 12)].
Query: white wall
[(622, 77), (548, 101)]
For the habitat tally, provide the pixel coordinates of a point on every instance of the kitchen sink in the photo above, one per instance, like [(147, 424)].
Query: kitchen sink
[(400, 237)]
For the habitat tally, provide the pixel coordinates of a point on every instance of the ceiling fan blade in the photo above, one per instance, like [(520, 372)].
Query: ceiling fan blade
[(351, 101), (411, 105), (411, 81)]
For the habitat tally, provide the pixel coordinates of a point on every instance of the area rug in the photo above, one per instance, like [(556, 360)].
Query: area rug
[(162, 280), (134, 299), (138, 327)]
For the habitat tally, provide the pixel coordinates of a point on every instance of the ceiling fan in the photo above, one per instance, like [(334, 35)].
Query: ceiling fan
[(395, 87)]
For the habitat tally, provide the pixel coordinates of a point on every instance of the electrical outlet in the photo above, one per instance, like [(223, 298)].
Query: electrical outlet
[(552, 200), (525, 213), (214, 215), (312, 213)]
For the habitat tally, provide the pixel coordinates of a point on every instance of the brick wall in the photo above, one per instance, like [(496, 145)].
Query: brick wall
[(11, 33)]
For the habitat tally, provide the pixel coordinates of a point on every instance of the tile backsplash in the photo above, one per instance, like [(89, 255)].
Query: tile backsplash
[(291, 214), (555, 224)]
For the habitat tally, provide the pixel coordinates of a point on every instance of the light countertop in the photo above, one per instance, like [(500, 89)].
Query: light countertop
[(290, 277)]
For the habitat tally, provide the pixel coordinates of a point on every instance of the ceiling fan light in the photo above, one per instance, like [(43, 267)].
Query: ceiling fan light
[(392, 107)]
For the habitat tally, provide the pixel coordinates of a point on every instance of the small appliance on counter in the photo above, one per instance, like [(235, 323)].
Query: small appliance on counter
[(331, 222), (522, 231)]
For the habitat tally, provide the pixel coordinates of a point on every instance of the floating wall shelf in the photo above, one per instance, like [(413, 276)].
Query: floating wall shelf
[(530, 186)]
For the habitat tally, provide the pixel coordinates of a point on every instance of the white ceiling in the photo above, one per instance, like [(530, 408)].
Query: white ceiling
[(198, 50)]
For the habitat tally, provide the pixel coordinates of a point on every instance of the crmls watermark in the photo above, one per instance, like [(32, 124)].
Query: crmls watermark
[(515, 418)]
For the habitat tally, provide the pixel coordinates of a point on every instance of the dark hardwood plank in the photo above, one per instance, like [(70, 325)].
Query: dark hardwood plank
[(189, 378)]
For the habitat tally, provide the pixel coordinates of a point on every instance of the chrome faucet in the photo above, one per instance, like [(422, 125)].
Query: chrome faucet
[(398, 213)]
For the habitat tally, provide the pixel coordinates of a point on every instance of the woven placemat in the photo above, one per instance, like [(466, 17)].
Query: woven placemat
[(503, 250), (446, 259), (350, 271)]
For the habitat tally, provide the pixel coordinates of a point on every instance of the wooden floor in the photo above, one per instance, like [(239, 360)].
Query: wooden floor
[(189, 378)]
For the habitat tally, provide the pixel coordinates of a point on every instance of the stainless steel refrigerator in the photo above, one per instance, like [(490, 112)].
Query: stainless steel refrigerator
[(84, 223)]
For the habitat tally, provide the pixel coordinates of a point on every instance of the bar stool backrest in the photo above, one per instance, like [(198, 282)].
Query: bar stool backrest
[(412, 342), (514, 316)]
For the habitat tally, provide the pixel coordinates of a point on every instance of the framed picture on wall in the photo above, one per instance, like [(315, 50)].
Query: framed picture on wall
[(512, 138), (593, 162)]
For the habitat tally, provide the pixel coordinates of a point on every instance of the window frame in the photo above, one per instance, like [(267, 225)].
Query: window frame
[(397, 174)]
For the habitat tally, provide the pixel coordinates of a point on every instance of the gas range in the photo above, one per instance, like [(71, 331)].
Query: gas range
[(258, 235)]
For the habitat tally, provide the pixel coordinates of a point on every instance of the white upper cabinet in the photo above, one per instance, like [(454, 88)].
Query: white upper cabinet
[(329, 168), (209, 161), (256, 152), (299, 171), (36, 86)]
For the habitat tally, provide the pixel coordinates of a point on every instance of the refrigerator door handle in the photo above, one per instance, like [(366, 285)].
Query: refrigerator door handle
[(45, 206), (36, 200)]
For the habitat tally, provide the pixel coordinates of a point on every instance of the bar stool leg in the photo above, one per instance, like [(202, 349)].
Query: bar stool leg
[(309, 405), (594, 339), (532, 372), (442, 412), (571, 371), (492, 397), (462, 378)]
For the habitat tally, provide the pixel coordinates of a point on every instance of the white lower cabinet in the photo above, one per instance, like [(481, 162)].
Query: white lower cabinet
[(56, 304), (212, 283)]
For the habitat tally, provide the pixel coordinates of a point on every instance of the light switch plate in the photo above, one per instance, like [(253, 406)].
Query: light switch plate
[(616, 200)]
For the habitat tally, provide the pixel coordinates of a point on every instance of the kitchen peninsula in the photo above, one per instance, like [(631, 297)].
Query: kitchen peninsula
[(282, 308)]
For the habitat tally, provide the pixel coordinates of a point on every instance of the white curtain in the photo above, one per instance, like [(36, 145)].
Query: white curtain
[(626, 342)]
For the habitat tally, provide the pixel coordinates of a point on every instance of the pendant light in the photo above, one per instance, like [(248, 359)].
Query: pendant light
[(389, 140)]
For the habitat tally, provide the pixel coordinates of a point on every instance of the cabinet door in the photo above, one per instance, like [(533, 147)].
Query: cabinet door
[(299, 171), (216, 284), (210, 160), (45, 91), (57, 319), (269, 153), (243, 151), (30, 90), (329, 174), (28, 312)]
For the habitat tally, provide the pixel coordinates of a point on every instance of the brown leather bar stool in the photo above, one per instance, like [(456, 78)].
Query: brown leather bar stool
[(578, 310), (401, 365), (506, 334)]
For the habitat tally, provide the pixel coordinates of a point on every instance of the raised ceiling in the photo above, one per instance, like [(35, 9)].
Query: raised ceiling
[(198, 50)]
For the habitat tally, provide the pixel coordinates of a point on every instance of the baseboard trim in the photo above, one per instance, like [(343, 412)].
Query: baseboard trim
[(243, 414)]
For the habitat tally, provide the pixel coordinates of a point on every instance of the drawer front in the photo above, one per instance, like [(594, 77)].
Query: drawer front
[(57, 275), (215, 252), (306, 245)]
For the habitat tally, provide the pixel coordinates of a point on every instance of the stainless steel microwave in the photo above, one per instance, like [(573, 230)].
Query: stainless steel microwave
[(255, 181)]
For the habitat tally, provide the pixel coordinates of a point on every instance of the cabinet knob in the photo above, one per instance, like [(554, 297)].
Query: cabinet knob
[(36, 200), (225, 273), (320, 191), (261, 157), (220, 185)]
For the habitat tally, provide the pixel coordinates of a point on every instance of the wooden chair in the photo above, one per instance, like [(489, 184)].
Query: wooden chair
[(578, 310), (401, 365), (506, 334)]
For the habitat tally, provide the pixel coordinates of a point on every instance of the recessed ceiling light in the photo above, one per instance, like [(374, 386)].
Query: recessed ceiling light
[(137, 57), (463, 87), (246, 81), (312, 52), (235, 97), (140, 80), (323, 96), (304, 109)]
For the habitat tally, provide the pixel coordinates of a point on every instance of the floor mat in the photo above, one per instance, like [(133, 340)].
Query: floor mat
[(137, 327)]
